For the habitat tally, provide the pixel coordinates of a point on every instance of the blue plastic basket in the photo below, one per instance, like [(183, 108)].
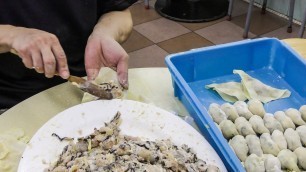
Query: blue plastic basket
[(267, 59)]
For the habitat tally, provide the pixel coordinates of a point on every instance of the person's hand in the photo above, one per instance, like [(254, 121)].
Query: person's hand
[(40, 50), (105, 51)]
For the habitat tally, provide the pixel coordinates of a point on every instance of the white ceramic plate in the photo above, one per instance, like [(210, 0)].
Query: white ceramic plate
[(138, 119)]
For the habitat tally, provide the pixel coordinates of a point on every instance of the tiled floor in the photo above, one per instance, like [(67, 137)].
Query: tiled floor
[(154, 37)]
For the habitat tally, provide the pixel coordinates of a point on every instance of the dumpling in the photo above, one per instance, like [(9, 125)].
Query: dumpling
[(301, 156), (295, 116), (240, 147), (302, 133), (256, 107), (230, 111), (288, 160), (212, 168), (285, 121), (244, 127), (216, 113), (253, 163), (255, 89), (279, 138), (271, 123), (258, 125), (293, 139), (242, 109), (254, 145), (228, 129), (268, 145), (229, 91), (272, 164), (239, 120), (303, 112)]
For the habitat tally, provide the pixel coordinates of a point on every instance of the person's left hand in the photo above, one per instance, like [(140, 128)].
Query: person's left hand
[(105, 51)]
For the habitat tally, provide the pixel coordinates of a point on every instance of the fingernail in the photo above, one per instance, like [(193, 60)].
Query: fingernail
[(126, 86), (65, 74), (123, 80), (48, 76), (124, 83)]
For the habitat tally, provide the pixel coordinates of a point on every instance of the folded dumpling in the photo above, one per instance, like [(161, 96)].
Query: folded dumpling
[(229, 91), (255, 89)]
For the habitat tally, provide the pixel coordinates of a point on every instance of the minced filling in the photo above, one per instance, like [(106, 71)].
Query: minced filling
[(108, 150)]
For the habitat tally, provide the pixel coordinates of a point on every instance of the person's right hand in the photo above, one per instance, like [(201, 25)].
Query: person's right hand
[(39, 50)]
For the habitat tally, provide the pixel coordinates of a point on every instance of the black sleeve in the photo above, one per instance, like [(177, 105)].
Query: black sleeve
[(105, 6)]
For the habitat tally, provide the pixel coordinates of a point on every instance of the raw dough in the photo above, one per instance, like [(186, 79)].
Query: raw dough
[(295, 116), (240, 147), (216, 113), (271, 123), (301, 156), (258, 125), (230, 111), (302, 133), (253, 163), (242, 109), (279, 138), (303, 112), (288, 160), (272, 164), (255, 89), (228, 129), (293, 139), (268, 145), (244, 127), (256, 107), (229, 91), (12, 144), (285, 121), (254, 145)]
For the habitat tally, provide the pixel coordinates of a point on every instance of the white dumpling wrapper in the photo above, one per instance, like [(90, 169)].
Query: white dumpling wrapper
[(229, 91), (254, 145), (300, 152), (255, 89), (293, 139), (240, 147), (253, 163), (288, 160), (302, 133), (268, 146), (272, 164), (12, 144)]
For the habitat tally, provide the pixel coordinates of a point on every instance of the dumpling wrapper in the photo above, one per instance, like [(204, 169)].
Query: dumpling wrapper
[(12, 145), (229, 91), (255, 89)]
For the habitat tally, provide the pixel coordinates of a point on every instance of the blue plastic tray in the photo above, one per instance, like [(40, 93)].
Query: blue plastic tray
[(267, 59)]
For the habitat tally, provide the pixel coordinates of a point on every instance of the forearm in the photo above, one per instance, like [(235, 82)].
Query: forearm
[(117, 24), (5, 38)]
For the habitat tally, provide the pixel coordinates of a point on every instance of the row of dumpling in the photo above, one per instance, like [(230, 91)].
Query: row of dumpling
[(226, 115), (263, 155), (255, 107), (251, 118)]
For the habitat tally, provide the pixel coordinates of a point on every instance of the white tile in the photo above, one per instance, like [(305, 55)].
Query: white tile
[(161, 29), (223, 32), (152, 56)]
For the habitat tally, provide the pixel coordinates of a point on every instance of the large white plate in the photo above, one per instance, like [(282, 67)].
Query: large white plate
[(138, 119)]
